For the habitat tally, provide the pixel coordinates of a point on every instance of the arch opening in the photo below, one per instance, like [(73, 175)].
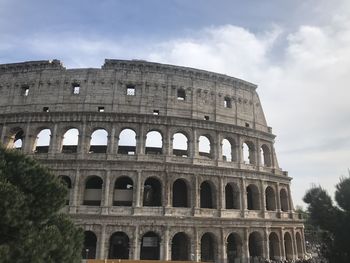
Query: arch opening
[(180, 145), (123, 191), (204, 146), (265, 155), (89, 248), (270, 198), (70, 141), (181, 94), (119, 246), (248, 152), (16, 140), (154, 143), (180, 247), (232, 196), (227, 150), (150, 246), (284, 200), (208, 248), (152, 193), (180, 194), (234, 248), (288, 247), (274, 247), (93, 191), (127, 142), (299, 245), (255, 245), (206, 195), (253, 199), (42, 141), (98, 142)]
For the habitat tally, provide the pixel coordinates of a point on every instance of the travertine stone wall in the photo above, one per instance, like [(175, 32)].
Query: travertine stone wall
[(169, 99)]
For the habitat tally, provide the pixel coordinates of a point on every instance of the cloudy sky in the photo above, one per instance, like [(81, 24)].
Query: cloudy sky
[(296, 51)]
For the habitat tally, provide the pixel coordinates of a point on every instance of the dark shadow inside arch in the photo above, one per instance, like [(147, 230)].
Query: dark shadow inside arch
[(255, 245), (150, 247), (89, 249), (119, 246), (206, 196), (152, 193), (234, 248), (274, 246), (180, 195), (180, 247), (93, 191), (207, 248), (253, 200)]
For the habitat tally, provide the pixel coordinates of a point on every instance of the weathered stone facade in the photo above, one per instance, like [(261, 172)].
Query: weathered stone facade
[(152, 199)]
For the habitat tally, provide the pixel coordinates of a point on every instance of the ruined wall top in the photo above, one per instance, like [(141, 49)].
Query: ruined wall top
[(30, 66)]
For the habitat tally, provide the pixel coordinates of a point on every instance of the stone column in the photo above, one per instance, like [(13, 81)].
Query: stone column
[(219, 147), (278, 198), (106, 187), (83, 143), (27, 143), (3, 134), (290, 201), (221, 203), (258, 154), (195, 153), (76, 198), (295, 246), (111, 145), (223, 256), (138, 189), (266, 244), (54, 143), (196, 195), (197, 246), (103, 242), (263, 198), (166, 255), (243, 197), (136, 244), (245, 246), (283, 251)]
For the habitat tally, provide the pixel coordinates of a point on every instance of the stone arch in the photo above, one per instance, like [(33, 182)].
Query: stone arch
[(180, 144), (42, 142), (93, 191), (288, 246), (228, 150), (253, 197), (70, 141), (265, 156), (255, 244), (181, 193), (152, 192), (284, 200), (180, 247), (299, 245), (119, 246), (248, 150), (150, 246), (123, 191), (154, 142), (89, 248), (68, 183), (205, 146), (232, 196), (16, 139), (99, 141), (270, 198), (208, 247), (234, 248), (127, 141), (181, 94), (274, 246), (207, 195)]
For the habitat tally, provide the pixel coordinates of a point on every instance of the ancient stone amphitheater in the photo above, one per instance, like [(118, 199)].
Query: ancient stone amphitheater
[(162, 162)]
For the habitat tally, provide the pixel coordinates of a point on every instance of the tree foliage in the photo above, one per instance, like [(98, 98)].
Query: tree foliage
[(335, 220), (31, 226)]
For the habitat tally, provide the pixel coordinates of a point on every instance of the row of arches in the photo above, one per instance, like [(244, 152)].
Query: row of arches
[(181, 190), (180, 245), (127, 142)]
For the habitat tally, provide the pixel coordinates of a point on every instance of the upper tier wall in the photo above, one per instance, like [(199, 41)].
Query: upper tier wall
[(44, 85)]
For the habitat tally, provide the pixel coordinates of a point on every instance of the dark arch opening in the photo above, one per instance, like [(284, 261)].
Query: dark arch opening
[(299, 245), (123, 192), (93, 191), (265, 155), (180, 247), (150, 246), (206, 195), (180, 194), (181, 94), (288, 247), (284, 200), (274, 246), (89, 249), (119, 246), (255, 245), (234, 248), (253, 200), (17, 140), (270, 198), (152, 193), (232, 197), (207, 248)]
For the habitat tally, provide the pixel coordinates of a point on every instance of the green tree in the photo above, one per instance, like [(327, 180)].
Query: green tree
[(333, 220), (32, 229)]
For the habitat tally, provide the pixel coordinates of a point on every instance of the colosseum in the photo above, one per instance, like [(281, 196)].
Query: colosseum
[(162, 162)]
